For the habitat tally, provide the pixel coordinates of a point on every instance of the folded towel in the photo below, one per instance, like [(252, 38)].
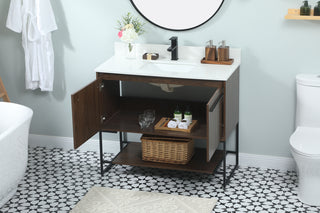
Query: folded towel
[(188, 121), (184, 124), (172, 124)]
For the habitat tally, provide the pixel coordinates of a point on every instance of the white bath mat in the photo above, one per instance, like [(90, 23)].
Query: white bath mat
[(103, 200)]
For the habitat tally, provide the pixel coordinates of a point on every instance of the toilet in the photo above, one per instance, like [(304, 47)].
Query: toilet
[(305, 141)]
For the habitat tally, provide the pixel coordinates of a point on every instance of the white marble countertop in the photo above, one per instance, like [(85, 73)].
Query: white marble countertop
[(187, 67)]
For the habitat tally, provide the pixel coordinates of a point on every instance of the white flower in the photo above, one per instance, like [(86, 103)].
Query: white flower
[(129, 35), (129, 26)]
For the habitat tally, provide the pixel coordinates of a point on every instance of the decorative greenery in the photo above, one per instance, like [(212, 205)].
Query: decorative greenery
[(129, 19), (130, 28)]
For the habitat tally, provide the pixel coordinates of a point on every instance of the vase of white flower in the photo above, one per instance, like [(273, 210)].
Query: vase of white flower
[(129, 30)]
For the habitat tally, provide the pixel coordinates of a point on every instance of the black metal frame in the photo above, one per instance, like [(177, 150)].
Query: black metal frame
[(226, 179), (165, 28), (102, 161)]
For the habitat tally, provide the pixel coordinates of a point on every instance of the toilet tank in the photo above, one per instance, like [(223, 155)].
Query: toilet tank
[(308, 100)]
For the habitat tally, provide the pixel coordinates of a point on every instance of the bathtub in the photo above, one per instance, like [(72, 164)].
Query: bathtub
[(14, 130)]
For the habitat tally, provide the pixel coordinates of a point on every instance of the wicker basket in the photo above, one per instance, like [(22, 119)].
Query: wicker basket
[(167, 149)]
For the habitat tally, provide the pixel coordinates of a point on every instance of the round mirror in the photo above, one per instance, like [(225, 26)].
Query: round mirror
[(177, 15)]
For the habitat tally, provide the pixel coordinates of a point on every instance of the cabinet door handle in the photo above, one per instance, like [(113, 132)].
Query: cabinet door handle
[(215, 103)]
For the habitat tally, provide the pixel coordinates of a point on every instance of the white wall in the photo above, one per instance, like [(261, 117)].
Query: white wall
[(274, 50)]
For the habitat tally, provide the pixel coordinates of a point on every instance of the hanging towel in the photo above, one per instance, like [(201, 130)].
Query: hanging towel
[(35, 20)]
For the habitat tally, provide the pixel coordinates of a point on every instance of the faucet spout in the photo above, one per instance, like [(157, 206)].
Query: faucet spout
[(171, 48), (174, 48)]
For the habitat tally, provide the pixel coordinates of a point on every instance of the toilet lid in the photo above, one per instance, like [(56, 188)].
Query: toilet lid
[(306, 140), (308, 79)]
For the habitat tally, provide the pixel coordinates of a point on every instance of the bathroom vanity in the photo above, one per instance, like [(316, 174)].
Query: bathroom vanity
[(101, 106)]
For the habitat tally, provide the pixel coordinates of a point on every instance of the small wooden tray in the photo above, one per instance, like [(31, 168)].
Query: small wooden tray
[(229, 62), (154, 56), (162, 125)]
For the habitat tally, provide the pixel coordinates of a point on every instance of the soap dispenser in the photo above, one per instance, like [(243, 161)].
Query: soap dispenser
[(223, 51), (316, 11), (210, 52), (305, 9)]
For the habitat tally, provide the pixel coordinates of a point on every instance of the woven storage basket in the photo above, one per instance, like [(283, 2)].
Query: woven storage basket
[(167, 149)]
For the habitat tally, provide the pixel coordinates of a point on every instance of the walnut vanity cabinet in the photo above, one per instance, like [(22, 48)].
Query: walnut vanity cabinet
[(99, 107)]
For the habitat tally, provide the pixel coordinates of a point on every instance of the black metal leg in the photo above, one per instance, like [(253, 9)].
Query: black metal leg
[(101, 152), (125, 136), (226, 179), (224, 164), (237, 145), (121, 142), (102, 161)]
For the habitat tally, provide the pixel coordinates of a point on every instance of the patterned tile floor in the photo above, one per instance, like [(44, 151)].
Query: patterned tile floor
[(56, 180)]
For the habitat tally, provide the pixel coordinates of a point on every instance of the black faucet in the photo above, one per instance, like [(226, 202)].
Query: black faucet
[(174, 48)]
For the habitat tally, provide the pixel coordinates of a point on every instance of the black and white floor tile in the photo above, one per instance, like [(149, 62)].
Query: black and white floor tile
[(56, 180)]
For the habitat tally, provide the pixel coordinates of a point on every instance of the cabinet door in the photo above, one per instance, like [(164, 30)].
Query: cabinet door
[(214, 112), (85, 113)]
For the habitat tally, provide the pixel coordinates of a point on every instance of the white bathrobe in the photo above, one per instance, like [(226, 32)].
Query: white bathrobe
[(35, 20)]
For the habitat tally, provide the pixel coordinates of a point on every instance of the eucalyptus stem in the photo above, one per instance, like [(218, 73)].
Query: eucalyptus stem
[(130, 47)]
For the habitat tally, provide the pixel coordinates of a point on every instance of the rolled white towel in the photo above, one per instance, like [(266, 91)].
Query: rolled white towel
[(184, 124), (186, 121), (172, 124)]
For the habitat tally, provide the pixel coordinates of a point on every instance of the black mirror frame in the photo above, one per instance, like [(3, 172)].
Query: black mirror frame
[(175, 29)]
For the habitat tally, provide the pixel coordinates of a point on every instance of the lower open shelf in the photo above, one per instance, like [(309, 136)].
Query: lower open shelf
[(132, 155)]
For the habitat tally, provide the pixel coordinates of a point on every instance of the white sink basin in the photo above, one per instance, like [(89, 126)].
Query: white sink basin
[(169, 67)]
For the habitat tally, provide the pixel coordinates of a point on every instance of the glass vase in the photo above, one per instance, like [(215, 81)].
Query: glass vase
[(131, 51)]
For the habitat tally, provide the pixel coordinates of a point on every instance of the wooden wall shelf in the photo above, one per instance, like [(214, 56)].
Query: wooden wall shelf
[(295, 14)]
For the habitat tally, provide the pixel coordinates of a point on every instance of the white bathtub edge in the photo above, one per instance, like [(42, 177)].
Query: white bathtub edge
[(5, 199)]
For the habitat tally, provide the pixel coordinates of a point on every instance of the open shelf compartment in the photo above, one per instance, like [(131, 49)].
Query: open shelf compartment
[(132, 155), (126, 118)]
